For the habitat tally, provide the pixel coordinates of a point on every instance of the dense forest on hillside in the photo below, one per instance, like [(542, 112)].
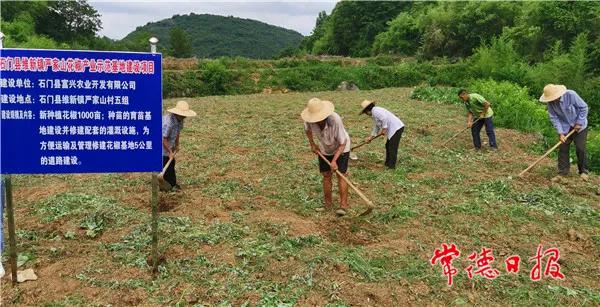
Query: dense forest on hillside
[(214, 36), (452, 29), (74, 25)]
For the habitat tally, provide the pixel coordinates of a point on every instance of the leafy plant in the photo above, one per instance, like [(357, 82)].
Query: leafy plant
[(448, 95), (95, 223)]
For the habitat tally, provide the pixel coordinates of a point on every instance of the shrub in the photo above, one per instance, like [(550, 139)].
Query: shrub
[(498, 61), (446, 95), (594, 150), (514, 108), (183, 84), (217, 78), (408, 74), (590, 92), (448, 74), (297, 80), (568, 68), (372, 77), (382, 60)]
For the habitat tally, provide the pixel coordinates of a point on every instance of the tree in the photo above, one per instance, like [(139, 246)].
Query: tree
[(352, 26), (542, 24), (180, 43), (69, 21), (400, 38), (10, 10), (308, 42)]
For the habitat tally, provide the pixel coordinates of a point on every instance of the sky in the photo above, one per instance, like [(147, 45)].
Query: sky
[(119, 18)]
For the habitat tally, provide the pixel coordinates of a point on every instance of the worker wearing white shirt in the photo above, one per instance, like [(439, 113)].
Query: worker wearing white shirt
[(387, 124)]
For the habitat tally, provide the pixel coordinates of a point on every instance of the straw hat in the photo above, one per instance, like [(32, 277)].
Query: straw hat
[(552, 92), (364, 105), (317, 110), (182, 108)]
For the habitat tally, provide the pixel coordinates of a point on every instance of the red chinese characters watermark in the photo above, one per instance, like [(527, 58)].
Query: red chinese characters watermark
[(484, 268), (445, 257), (483, 263), (552, 267), (512, 264)]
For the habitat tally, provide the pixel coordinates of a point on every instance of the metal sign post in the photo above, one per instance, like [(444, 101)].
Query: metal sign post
[(10, 213), (82, 112), (12, 240), (154, 222)]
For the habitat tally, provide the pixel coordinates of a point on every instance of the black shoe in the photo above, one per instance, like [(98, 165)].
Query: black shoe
[(176, 187)]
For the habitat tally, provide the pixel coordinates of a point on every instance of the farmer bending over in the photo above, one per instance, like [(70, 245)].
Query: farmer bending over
[(388, 124), (334, 144), (568, 112), (172, 124), (477, 106)]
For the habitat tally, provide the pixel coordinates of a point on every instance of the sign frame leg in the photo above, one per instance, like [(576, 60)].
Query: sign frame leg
[(12, 238), (154, 224)]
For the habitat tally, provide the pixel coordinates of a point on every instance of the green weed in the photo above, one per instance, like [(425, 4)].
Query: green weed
[(398, 213)]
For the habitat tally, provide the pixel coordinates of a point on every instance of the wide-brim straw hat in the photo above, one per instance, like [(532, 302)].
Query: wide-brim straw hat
[(364, 105), (317, 110), (182, 108), (552, 92)]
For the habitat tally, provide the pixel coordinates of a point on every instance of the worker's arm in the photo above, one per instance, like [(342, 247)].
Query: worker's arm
[(338, 153), (383, 131), (374, 131), (582, 110), (165, 143), (557, 125), (311, 141), (469, 119), (486, 107), (176, 149)]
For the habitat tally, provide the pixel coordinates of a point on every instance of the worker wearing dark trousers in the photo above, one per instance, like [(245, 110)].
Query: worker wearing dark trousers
[(564, 165), (478, 107), (568, 112), (391, 149), (387, 124), (169, 175), (172, 124), (489, 130)]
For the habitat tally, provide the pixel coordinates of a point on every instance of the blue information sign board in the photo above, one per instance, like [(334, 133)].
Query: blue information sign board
[(65, 111)]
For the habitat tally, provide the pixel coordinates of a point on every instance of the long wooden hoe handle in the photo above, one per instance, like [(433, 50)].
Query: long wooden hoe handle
[(457, 134), (167, 166), (369, 203), (364, 143), (545, 155)]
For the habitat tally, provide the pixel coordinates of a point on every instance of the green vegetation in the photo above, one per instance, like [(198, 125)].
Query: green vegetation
[(51, 24), (352, 26), (213, 36), (451, 29), (59, 25), (528, 43), (74, 24), (180, 42)]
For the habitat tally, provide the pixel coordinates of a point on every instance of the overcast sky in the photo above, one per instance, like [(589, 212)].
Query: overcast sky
[(121, 17)]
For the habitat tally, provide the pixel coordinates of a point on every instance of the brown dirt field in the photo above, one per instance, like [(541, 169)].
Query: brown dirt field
[(267, 185)]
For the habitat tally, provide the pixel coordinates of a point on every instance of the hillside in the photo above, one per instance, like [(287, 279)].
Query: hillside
[(214, 36), (244, 228)]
